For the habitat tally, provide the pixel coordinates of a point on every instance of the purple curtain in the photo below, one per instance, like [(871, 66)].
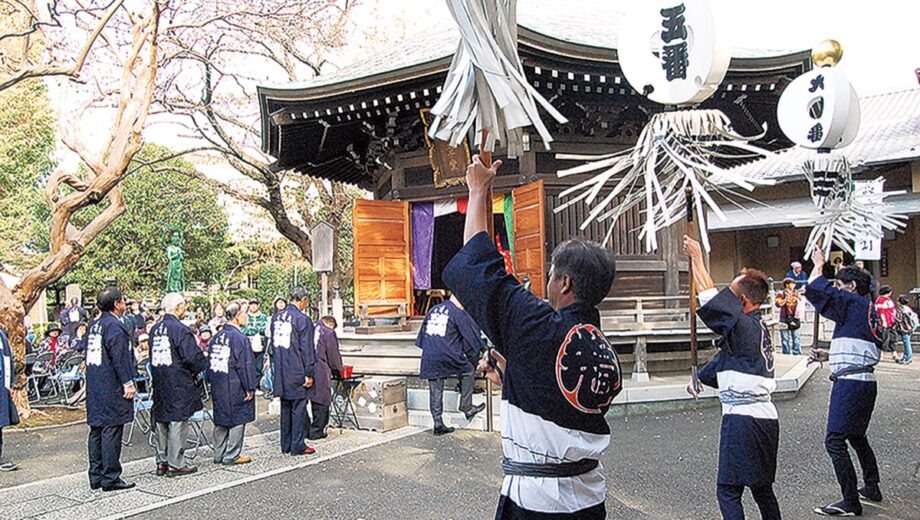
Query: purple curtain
[(422, 244)]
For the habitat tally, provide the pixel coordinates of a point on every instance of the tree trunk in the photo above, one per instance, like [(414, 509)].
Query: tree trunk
[(283, 224), (12, 316)]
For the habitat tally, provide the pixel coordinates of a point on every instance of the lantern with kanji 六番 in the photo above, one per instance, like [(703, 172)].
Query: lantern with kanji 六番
[(819, 110)]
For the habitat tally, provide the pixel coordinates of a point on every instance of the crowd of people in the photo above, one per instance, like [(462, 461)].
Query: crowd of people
[(897, 320), (239, 353)]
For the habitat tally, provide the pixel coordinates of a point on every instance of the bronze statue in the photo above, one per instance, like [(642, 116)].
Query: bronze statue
[(175, 274)]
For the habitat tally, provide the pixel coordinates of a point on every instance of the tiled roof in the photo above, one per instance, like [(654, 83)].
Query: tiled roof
[(889, 132), (594, 23), (781, 213)]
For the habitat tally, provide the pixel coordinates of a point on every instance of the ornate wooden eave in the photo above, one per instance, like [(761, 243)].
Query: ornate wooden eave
[(350, 128)]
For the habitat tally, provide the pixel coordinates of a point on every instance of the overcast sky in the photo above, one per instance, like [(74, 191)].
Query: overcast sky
[(879, 38)]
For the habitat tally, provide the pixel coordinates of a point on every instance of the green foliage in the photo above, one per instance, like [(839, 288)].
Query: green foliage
[(131, 250), (276, 280), (26, 147)]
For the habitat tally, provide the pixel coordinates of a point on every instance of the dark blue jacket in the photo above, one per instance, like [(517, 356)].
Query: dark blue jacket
[(294, 354), (110, 365), (232, 375), (744, 345), (328, 361), (8, 414), (548, 351), (450, 341), (175, 361)]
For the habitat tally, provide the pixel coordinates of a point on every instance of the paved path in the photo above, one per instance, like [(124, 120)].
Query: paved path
[(660, 466), (69, 497)]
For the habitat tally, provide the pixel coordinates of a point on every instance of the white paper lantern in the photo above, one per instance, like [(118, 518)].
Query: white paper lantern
[(671, 51), (819, 109)]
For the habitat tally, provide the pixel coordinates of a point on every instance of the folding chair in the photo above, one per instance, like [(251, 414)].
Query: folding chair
[(41, 371), (68, 371), (196, 424), (32, 380), (143, 407)]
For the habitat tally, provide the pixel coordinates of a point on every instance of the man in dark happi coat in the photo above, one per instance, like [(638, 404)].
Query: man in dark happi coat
[(852, 359), (742, 371), (110, 371), (294, 359), (451, 346), (175, 361), (561, 373), (328, 364), (232, 377), (8, 414)]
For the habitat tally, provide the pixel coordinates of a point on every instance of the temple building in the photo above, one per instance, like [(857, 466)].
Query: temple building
[(366, 125)]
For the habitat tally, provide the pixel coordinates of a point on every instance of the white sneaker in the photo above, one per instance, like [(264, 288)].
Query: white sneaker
[(259, 392)]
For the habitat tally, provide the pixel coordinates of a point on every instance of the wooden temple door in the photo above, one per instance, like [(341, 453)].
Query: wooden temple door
[(530, 235), (382, 252)]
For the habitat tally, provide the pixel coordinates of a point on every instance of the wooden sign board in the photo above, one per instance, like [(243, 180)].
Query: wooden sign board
[(323, 245), (448, 163)]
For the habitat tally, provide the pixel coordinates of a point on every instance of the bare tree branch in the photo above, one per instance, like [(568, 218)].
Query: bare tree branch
[(73, 70)]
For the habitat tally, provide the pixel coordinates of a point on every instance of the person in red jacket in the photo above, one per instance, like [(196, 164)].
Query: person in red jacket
[(887, 316)]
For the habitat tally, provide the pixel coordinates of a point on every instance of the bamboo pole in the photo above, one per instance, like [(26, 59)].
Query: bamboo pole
[(486, 158), (694, 358)]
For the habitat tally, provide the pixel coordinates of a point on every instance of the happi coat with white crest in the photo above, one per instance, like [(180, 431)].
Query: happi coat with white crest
[(232, 375), (328, 362), (8, 414), (853, 355), (295, 358), (110, 365), (175, 361), (450, 342), (742, 371), (561, 377)]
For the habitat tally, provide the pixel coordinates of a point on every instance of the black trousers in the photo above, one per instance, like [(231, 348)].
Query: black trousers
[(260, 365), (320, 414), (732, 509), (836, 445), (293, 425), (1, 444), (105, 455)]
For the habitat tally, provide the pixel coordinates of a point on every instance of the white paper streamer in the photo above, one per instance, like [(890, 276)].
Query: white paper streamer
[(675, 150), (486, 84), (845, 215)]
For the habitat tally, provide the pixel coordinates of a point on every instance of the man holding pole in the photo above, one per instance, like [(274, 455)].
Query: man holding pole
[(561, 373), (742, 371)]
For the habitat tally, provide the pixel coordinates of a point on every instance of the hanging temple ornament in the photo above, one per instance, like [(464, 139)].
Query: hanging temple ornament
[(820, 110), (671, 52), (486, 85)]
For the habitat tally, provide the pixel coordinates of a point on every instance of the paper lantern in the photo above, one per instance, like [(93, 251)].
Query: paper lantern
[(672, 52), (819, 110)]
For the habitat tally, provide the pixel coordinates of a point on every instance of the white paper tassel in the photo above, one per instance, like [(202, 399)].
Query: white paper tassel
[(675, 150), (844, 215), (486, 84)]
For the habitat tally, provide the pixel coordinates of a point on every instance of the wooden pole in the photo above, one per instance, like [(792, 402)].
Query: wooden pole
[(694, 358), (486, 158)]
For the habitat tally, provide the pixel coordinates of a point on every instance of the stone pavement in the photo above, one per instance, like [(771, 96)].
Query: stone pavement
[(660, 466), (69, 497)]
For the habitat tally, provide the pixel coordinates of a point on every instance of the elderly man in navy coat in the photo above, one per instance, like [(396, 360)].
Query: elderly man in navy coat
[(175, 361), (110, 371), (328, 363), (8, 414), (294, 357), (232, 376), (451, 345)]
